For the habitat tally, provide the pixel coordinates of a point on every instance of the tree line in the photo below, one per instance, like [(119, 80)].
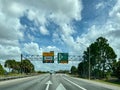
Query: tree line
[(102, 60), (18, 67)]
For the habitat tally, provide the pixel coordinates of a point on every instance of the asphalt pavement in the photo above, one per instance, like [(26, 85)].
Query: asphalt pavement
[(51, 82)]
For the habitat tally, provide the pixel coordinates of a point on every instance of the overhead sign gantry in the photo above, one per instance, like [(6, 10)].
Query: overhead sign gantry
[(50, 57)]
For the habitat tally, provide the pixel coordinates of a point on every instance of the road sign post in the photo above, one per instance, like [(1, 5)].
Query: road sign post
[(21, 63)]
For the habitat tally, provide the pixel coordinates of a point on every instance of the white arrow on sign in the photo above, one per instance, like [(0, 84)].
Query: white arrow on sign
[(48, 84), (60, 87)]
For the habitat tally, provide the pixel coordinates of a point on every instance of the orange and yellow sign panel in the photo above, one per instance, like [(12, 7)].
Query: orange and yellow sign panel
[(48, 54), (48, 57)]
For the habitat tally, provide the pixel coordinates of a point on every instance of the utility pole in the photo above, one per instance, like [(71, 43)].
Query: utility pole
[(21, 63), (89, 63)]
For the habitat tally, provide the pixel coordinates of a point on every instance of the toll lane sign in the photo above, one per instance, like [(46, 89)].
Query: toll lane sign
[(48, 57), (63, 58)]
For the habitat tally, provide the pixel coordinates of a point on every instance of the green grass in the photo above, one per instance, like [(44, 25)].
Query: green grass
[(110, 82), (12, 74)]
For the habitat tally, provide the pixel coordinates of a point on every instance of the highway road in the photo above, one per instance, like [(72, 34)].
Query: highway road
[(51, 82)]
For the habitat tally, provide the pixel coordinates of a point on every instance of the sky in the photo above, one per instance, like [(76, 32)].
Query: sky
[(31, 27)]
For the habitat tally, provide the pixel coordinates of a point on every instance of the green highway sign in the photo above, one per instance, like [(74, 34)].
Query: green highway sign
[(62, 57)]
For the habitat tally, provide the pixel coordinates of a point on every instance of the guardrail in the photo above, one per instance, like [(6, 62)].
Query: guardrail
[(14, 77)]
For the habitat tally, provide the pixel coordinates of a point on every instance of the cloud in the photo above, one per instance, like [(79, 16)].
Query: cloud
[(34, 49), (39, 11), (115, 12), (64, 11), (56, 38), (10, 52), (67, 10), (100, 5), (10, 28), (31, 37), (44, 31), (9, 32), (67, 29), (12, 9), (8, 42), (114, 33), (51, 48), (31, 48)]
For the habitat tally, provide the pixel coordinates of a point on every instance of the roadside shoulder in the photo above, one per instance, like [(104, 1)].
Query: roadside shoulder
[(106, 85)]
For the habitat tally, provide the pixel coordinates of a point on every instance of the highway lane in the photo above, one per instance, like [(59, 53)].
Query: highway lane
[(49, 82)]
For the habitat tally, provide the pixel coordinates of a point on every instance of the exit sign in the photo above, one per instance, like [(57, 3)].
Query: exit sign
[(63, 58)]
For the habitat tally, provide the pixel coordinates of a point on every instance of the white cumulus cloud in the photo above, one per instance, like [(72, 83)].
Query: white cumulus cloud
[(44, 31), (31, 48)]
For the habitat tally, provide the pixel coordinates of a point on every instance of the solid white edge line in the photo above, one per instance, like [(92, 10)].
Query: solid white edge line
[(75, 84)]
